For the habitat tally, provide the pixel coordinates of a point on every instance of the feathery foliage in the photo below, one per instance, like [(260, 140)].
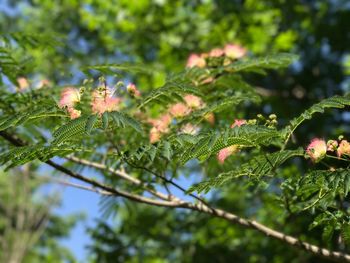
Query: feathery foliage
[(337, 102), (116, 69), (259, 166), (25, 117), (8, 65), (274, 61), (170, 92), (21, 155), (245, 136)]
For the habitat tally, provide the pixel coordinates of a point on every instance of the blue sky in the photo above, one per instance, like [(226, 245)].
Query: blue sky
[(76, 201), (81, 201)]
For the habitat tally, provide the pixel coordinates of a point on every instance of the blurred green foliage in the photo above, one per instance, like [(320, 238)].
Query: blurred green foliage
[(161, 34)]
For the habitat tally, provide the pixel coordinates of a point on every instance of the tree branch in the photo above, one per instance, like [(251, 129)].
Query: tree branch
[(121, 174), (110, 189), (200, 207)]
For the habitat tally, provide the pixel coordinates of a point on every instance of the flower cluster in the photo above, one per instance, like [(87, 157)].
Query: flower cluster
[(102, 99), (191, 102), (226, 152), (317, 149), (189, 128), (230, 52), (22, 83), (160, 125), (69, 97)]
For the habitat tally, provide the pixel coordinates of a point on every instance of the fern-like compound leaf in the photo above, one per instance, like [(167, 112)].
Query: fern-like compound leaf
[(259, 166), (244, 136)]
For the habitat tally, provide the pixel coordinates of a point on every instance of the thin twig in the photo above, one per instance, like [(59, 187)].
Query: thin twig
[(119, 173)]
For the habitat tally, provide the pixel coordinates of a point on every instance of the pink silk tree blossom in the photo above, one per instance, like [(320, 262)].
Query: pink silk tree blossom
[(179, 110), (234, 51), (343, 148), (317, 149), (226, 152), (193, 101), (195, 60), (238, 123), (103, 101), (69, 97)]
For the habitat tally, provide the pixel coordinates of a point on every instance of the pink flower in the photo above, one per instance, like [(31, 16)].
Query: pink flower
[(226, 152), (234, 51), (317, 149), (112, 104), (238, 123), (195, 60), (190, 129), (332, 145), (43, 83), (73, 113), (154, 135), (23, 83), (216, 52), (162, 123), (344, 148), (103, 101), (69, 97), (179, 110), (193, 101), (160, 126), (131, 88)]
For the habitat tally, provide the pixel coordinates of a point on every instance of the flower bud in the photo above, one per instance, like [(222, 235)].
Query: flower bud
[(332, 145), (343, 148)]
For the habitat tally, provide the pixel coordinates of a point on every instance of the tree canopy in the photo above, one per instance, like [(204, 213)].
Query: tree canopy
[(204, 122)]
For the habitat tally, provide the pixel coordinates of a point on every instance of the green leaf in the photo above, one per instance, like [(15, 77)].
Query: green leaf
[(259, 166), (171, 92), (70, 131), (345, 233), (114, 69), (8, 65), (167, 151), (333, 102), (268, 62), (24, 117), (105, 120), (224, 104), (122, 120), (244, 136), (327, 233), (21, 155), (90, 123)]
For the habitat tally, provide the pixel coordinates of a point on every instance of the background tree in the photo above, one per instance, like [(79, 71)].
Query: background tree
[(162, 34), (29, 230)]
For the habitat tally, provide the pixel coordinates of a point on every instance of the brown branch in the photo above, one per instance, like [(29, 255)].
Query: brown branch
[(121, 174), (201, 207), (110, 189), (251, 224), (163, 178), (290, 240)]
